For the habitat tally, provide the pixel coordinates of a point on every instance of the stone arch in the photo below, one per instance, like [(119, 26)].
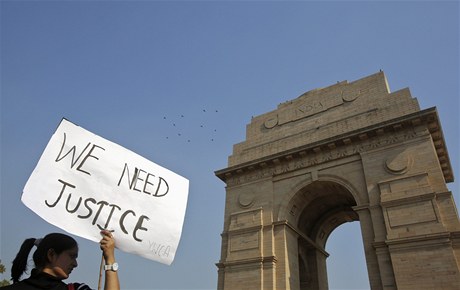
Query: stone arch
[(350, 151), (290, 197), (330, 206)]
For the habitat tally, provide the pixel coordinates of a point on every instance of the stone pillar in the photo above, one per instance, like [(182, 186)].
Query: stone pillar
[(379, 270)]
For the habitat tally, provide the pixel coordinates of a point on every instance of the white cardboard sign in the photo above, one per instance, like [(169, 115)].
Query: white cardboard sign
[(84, 183)]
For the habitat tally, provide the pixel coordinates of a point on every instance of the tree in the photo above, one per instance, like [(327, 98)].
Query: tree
[(3, 282)]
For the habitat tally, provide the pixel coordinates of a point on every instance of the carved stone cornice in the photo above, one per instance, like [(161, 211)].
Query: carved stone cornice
[(398, 130)]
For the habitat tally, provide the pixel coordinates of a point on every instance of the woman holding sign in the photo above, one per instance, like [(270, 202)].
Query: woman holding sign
[(54, 259)]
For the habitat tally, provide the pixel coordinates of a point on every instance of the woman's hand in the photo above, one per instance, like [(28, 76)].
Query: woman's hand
[(108, 246), (108, 251)]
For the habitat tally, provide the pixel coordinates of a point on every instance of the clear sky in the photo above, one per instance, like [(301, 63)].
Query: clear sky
[(118, 68)]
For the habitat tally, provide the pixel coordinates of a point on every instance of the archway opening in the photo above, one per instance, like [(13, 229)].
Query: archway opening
[(346, 265), (325, 206)]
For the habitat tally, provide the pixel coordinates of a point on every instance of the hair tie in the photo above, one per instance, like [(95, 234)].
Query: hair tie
[(37, 242)]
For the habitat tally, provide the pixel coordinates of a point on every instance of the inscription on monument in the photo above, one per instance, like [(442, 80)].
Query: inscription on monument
[(310, 106), (246, 241), (246, 219), (404, 215)]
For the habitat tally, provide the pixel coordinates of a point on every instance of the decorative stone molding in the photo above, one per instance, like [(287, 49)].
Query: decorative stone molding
[(401, 130), (399, 164)]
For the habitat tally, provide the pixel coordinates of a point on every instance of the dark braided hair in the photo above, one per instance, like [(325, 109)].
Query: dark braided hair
[(20, 262), (56, 241)]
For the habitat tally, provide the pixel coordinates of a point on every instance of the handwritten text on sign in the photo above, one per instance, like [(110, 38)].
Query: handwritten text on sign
[(84, 183)]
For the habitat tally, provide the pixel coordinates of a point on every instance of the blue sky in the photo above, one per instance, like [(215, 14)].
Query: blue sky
[(118, 68)]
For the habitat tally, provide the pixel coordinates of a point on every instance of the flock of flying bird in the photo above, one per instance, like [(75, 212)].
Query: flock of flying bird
[(185, 128)]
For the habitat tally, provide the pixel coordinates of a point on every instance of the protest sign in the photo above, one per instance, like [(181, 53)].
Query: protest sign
[(84, 183)]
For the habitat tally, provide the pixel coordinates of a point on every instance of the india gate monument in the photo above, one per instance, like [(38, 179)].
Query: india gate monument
[(352, 151)]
